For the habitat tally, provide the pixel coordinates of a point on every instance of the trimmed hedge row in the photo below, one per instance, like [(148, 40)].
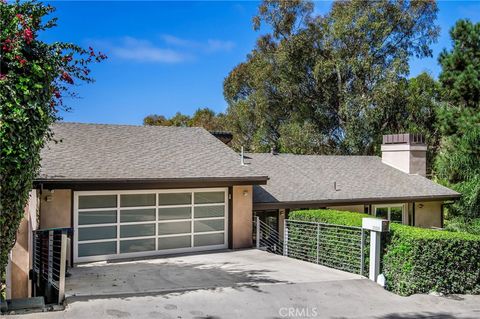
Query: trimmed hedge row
[(418, 260), (329, 216)]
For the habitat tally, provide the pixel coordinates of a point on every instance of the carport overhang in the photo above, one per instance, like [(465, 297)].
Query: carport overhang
[(146, 183), (356, 201)]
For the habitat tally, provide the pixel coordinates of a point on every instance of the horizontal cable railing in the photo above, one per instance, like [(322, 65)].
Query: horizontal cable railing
[(267, 238), (49, 263), (336, 246)]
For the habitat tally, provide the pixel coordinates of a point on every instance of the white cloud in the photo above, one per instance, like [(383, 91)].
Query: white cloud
[(209, 46), (144, 51), (218, 45), (172, 49)]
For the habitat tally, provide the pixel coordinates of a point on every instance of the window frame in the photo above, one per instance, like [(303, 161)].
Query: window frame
[(156, 221), (389, 210)]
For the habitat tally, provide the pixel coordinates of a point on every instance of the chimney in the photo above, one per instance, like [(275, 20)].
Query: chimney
[(406, 152)]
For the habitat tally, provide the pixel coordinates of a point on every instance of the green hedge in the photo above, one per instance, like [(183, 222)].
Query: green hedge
[(329, 216), (418, 260), (421, 260)]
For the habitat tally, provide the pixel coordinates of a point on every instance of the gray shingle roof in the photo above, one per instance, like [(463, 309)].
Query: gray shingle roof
[(310, 178), (109, 152)]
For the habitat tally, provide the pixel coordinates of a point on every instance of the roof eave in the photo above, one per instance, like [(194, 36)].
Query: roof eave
[(145, 183), (354, 201)]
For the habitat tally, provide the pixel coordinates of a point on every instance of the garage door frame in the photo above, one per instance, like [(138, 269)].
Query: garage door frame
[(77, 259)]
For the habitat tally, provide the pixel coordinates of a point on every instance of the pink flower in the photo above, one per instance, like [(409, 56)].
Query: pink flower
[(67, 78), (28, 35)]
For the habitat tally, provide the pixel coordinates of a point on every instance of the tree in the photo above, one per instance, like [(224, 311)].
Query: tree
[(34, 78), (458, 162), (460, 75), (423, 98), (341, 77), (205, 118)]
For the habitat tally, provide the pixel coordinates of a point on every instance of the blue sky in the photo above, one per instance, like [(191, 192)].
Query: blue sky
[(166, 57)]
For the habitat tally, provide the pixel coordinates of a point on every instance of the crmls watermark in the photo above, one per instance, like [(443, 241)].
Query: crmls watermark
[(298, 312)]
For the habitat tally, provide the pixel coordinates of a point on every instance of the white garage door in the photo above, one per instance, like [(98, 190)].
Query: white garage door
[(121, 224)]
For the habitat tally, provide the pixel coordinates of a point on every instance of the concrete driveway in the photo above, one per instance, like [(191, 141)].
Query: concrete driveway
[(245, 268), (242, 284)]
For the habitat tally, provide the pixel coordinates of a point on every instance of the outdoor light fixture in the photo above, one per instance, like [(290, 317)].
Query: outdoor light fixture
[(245, 193)]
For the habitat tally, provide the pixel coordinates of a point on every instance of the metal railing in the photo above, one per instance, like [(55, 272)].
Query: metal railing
[(336, 246), (49, 264), (267, 238)]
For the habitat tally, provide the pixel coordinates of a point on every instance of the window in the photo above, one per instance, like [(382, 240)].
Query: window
[(392, 212)]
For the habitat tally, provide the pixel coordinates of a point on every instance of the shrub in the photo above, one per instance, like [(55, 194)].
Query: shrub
[(329, 216), (421, 260), (462, 224), (418, 260)]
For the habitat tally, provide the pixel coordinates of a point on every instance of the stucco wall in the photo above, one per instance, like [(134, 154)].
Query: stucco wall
[(242, 202), (410, 159), (56, 208), (21, 254), (428, 214), (349, 208)]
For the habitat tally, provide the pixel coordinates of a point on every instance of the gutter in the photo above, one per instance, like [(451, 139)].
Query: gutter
[(145, 183), (355, 201)]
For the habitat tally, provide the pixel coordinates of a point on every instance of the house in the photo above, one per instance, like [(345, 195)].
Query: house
[(136, 191)]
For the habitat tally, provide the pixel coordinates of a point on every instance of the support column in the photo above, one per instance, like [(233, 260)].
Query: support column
[(376, 228)]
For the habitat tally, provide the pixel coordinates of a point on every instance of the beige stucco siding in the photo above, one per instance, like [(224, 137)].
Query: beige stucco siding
[(242, 216), (21, 255), (349, 208), (428, 214), (20, 262), (56, 208)]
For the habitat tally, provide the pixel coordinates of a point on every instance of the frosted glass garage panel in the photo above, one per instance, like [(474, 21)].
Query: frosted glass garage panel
[(209, 197), (95, 233), (136, 245), (97, 201), (137, 215), (168, 199), (137, 230), (97, 217), (174, 242), (136, 200), (209, 211), (174, 228), (174, 213), (209, 239), (209, 225), (95, 249)]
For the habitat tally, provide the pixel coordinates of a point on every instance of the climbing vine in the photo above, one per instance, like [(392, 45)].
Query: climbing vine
[(35, 77)]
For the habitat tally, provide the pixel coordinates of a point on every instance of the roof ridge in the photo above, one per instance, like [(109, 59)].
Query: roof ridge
[(130, 125)]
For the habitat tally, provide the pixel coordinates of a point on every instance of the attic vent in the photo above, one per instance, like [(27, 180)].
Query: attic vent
[(225, 137)]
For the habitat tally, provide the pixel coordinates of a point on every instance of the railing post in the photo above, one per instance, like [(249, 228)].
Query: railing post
[(318, 241), (50, 257), (63, 263), (285, 237), (257, 234), (362, 252)]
